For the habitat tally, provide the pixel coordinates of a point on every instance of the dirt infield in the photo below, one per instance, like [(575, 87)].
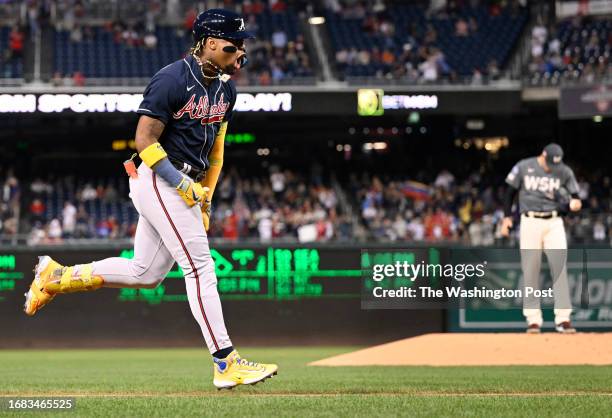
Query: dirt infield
[(463, 349)]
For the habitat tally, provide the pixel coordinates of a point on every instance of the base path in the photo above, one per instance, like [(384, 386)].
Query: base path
[(463, 349)]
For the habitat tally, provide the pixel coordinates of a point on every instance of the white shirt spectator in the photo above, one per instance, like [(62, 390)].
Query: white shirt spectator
[(327, 197), (475, 232), (536, 50), (599, 231), (55, 229), (445, 179), (539, 33), (39, 186), (263, 213), (400, 227), (265, 229), (88, 193), (37, 235), (150, 40), (279, 39), (554, 46), (278, 182), (369, 212), (416, 229), (69, 218), (429, 69)]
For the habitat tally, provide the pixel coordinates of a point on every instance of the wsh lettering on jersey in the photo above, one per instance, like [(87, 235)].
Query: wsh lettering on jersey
[(542, 184), (203, 110)]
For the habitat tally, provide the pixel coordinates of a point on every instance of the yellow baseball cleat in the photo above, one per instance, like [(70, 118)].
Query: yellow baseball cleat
[(45, 271), (51, 278), (234, 370)]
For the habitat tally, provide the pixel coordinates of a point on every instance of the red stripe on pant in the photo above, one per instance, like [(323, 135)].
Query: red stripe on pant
[(195, 271)]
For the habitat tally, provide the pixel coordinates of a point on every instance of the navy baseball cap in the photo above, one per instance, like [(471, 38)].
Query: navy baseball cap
[(554, 154), (220, 23)]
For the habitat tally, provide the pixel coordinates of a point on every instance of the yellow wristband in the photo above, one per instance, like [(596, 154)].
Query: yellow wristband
[(152, 154)]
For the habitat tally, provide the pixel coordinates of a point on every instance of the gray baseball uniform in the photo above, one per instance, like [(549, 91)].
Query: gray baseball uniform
[(541, 191)]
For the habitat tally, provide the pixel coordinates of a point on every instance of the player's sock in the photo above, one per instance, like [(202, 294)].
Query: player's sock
[(224, 352)]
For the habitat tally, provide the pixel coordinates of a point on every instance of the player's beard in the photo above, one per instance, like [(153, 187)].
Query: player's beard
[(230, 69)]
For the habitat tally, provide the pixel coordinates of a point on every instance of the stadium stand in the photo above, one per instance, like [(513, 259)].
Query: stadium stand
[(409, 42), (288, 205), (136, 50), (576, 49)]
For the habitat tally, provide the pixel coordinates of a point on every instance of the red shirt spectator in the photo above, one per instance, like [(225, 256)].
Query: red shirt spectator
[(278, 5), (78, 79), (254, 8), (16, 42), (437, 225), (190, 17), (37, 207), (230, 227)]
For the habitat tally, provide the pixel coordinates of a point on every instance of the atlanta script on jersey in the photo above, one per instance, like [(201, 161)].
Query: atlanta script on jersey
[(191, 110)]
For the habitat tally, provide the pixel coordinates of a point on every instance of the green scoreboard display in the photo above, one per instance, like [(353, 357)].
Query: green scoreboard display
[(267, 274), (295, 283), (257, 273)]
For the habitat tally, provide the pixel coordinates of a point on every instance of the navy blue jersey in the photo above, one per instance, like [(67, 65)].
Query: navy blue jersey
[(191, 111)]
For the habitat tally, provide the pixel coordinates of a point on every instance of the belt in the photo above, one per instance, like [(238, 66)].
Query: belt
[(541, 215), (193, 172)]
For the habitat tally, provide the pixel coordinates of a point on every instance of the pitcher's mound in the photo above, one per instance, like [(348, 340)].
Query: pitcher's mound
[(483, 350)]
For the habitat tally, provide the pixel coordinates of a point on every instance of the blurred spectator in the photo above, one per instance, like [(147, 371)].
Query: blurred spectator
[(88, 193), (37, 210), (57, 80), (461, 28), (37, 234), (16, 40), (69, 214), (150, 40), (78, 79), (54, 233), (279, 39)]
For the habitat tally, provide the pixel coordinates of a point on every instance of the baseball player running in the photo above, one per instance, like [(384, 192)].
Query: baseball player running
[(179, 137), (541, 182)]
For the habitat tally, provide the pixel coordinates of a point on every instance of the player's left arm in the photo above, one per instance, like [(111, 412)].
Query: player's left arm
[(571, 185), (215, 158)]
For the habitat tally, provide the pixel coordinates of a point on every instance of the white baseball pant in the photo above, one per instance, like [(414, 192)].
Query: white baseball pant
[(549, 235), (169, 230)]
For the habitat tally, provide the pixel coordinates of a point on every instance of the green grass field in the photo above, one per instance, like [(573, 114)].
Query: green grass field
[(178, 382)]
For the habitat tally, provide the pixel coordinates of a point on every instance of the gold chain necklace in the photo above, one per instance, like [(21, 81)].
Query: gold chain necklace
[(201, 65)]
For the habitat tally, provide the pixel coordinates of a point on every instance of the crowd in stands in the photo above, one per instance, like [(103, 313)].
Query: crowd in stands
[(466, 211), (447, 209), (576, 49), (422, 41), (285, 205), (66, 209), (150, 39), (281, 205)]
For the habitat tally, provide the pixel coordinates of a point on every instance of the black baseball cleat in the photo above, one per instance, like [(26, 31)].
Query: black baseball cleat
[(565, 327)]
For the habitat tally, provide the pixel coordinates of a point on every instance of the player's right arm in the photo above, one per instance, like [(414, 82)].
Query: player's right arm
[(513, 180)]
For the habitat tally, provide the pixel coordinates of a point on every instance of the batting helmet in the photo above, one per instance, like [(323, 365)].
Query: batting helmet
[(220, 23)]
